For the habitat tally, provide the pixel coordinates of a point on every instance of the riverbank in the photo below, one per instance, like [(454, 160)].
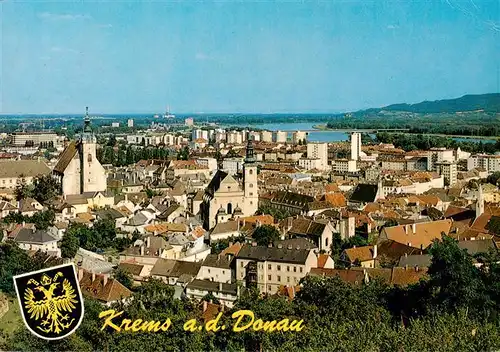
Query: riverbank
[(454, 136)]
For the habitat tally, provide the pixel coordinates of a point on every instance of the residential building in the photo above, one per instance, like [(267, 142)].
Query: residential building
[(318, 151), (490, 163), (226, 293), (268, 268), (355, 145), (417, 235), (448, 170), (13, 172)]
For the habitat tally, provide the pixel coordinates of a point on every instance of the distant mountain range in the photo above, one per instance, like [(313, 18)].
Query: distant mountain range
[(487, 102)]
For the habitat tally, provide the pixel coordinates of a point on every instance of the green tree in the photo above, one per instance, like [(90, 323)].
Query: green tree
[(124, 277), (265, 235), (45, 187), (69, 245)]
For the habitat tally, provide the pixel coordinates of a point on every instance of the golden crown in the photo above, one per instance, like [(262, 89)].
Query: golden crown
[(46, 280)]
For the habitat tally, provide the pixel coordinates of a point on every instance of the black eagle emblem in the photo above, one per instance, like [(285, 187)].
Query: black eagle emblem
[(50, 300)]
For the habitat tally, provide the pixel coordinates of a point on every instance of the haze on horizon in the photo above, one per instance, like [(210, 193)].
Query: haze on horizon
[(266, 57)]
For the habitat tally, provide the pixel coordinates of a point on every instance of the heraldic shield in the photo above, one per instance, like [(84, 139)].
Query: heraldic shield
[(51, 301)]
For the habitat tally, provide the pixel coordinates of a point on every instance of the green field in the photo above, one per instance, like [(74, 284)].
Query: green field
[(11, 320)]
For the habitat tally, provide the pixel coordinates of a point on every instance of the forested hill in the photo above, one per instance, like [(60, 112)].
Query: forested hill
[(487, 102)]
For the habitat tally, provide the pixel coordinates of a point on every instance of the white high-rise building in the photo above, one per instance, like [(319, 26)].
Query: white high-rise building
[(299, 136), (130, 123), (318, 151), (266, 136), (355, 145), (281, 136)]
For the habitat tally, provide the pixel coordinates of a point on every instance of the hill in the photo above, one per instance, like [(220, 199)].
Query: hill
[(487, 102)]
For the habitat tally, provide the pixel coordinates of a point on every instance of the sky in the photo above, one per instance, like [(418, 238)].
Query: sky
[(254, 57)]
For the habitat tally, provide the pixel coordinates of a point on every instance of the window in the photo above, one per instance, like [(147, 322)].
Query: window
[(209, 271), (279, 267), (251, 194), (251, 185), (288, 268), (269, 288), (89, 158), (326, 242), (300, 269), (294, 269), (279, 278), (241, 264), (268, 266), (269, 277), (250, 171), (288, 279)]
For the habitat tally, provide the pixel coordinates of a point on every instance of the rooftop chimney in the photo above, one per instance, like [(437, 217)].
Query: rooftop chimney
[(414, 228), (93, 276), (254, 244), (104, 280), (374, 251), (220, 286), (205, 305), (80, 274)]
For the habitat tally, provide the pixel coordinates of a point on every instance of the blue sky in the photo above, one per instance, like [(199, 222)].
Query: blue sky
[(114, 56)]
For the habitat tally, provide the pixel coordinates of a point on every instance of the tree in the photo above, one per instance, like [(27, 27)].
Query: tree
[(493, 178), (23, 190), (265, 235), (45, 187), (124, 277), (69, 245)]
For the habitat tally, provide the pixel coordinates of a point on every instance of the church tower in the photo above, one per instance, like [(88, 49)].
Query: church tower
[(250, 185), (480, 202), (92, 174)]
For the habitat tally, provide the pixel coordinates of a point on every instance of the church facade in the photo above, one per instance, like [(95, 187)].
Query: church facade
[(78, 169), (226, 198)]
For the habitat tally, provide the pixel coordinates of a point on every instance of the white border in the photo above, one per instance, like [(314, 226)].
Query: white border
[(21, 303)]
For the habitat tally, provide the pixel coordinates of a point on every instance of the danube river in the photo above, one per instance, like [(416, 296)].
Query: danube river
[(329, 136), (313, 136)]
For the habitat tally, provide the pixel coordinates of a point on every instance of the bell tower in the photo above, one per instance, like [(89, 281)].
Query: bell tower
[(92, 174), (250, 184)]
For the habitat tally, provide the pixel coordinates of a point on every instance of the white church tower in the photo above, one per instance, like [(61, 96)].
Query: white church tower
[(480, 202), (250, 185), (78, 169)]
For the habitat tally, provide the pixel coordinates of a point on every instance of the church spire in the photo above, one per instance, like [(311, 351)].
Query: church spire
[(250, 158), (86, 121)]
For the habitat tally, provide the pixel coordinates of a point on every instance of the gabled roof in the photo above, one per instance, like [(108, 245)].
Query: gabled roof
[(26, 168), (109, 213), (109, 290), (66, 156), (226, 227), (170, 210), (212, 286), (362, 254), (284, 255), (27, 235), (214, 184), (411, 261), (423, 235), (217, 261)]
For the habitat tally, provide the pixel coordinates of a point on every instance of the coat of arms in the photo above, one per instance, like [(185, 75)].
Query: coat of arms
[(50, 300)]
